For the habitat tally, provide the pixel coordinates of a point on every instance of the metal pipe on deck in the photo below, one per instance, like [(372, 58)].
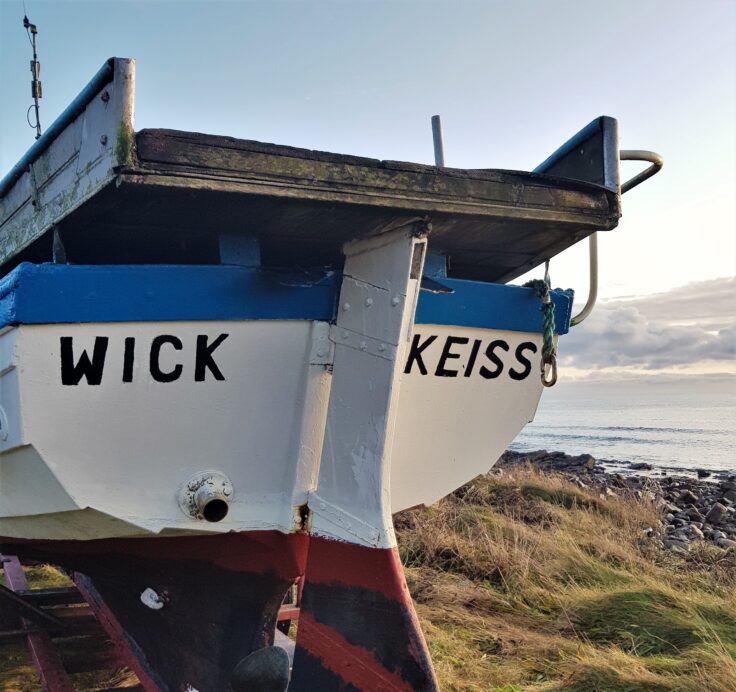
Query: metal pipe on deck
[(439, 145)]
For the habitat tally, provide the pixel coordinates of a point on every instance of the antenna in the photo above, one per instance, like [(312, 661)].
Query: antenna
[(36, 91)]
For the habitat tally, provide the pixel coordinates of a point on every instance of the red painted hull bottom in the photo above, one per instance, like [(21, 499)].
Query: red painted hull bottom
[(221, 595)]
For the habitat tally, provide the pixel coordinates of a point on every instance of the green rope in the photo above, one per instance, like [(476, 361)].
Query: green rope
[(541, 288)]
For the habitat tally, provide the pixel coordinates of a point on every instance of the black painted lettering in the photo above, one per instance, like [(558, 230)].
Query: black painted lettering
[(473, 355), (128, 358), (524, 346), (447, 354), (155, 366), (71, 373), (415, 354), (491, 355), (205, 361)]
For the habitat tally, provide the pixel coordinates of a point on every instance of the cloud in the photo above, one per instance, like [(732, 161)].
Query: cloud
[(710, 304), (689, 325)]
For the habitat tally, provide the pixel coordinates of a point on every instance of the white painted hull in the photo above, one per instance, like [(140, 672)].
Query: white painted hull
[(96, 461)]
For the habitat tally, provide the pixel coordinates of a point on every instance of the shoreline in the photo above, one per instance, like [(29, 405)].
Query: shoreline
[(696, 505)]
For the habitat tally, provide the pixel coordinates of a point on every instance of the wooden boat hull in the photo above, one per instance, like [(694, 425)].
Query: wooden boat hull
[(111, 424), (105, 422)]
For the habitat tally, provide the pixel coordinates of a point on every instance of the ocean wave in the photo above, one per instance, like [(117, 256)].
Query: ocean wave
[(627, 428), (572, 437)]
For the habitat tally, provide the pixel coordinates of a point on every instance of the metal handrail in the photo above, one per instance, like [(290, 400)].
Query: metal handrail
[(640, 155), (593, 289), (624, 155)]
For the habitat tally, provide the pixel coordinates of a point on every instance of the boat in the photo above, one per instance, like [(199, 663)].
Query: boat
[(226, 364)]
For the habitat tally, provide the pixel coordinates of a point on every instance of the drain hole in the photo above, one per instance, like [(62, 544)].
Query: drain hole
[(215, 510)]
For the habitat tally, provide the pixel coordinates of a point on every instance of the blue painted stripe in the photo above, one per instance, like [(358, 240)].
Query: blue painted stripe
[(54, 293), (495, 306), (58, 294)]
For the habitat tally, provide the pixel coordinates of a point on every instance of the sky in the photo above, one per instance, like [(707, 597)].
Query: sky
[(511, 80)]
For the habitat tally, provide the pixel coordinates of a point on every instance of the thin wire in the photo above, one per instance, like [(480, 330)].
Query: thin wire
[(25, 16)]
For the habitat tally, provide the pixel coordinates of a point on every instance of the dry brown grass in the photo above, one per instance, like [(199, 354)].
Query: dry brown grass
[(526, 582)]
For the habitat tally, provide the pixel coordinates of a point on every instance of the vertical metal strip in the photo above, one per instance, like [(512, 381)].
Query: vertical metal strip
[(357, 626)]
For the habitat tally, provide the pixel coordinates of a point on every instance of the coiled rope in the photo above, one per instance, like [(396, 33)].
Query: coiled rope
[(548, 365)]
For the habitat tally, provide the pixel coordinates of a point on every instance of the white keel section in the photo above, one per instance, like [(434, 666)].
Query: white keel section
[(89, 461), (376, 310)]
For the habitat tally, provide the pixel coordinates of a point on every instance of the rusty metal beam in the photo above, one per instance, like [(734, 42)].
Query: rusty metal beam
[(41, 650)]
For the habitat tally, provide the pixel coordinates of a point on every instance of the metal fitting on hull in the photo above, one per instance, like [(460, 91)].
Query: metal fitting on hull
[(207, 496)]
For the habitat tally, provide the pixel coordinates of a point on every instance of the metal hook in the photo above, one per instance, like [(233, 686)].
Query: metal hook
[(552, 379)]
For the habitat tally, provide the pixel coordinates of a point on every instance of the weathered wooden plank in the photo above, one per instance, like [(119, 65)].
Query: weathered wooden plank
[(79, 161), (215, 162)]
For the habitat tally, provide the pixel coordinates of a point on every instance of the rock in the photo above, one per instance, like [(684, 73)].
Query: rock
[(729, 495), (695, 531), (693, 514), (702, 473), (264, 669), (716, 514), (675, 545), (689, 497), (726, 543), (641, 466), (586, 461)]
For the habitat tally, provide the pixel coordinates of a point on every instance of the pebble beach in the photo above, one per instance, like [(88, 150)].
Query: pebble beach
[(696, 505)]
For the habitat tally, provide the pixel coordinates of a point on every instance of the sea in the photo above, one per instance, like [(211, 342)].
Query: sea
[(682, 424)]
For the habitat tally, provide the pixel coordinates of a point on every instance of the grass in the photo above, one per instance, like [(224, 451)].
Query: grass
[(526, 582)]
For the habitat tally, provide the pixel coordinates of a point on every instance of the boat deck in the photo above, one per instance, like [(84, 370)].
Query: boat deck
[(167, 196)]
